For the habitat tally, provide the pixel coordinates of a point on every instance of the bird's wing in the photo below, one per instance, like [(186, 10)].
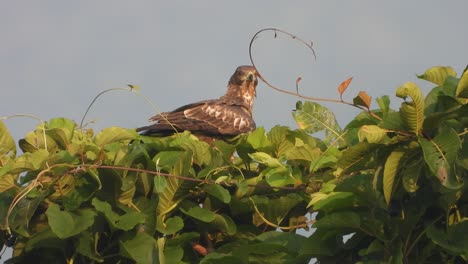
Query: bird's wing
[(215, 117)]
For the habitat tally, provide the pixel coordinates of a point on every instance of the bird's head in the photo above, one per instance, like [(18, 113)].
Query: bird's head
[(244, 75)]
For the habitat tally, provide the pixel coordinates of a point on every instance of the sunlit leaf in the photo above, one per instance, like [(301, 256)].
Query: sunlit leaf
[(258, 139), (437, 74), (114, 134), (462, 87), (7, 144), (312, 117), (390, 172), (266, 159), (371, 133), (7, 182), (412, 112)]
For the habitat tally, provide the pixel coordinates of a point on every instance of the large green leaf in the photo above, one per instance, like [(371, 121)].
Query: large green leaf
[(200, 149), (170, 226), (67, 224), (440, 154), (412, 112), (141, 248), (312, 118), (390, 173), (355, 157), (7, 144), (438, 74), (114, 134), (454, 239), (371, 133), (124, 222), (194, 210), (61, 130)]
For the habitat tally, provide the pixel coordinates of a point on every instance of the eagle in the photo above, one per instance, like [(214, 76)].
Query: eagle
[(229, 115)]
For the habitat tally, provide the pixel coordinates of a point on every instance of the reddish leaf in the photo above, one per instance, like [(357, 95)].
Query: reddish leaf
[(344, 85), (200, 249), (297, 84), (363, 99)]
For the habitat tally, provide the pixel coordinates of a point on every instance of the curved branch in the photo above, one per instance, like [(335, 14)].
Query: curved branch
[(297, 94)]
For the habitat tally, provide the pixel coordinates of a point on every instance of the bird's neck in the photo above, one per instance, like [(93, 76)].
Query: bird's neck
[(245, 93)]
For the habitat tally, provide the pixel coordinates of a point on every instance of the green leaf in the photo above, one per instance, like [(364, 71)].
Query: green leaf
[(7, 182), (31, 161), (171, 226), (355, 157), (334, 201), (114, 134), (200, 149), (194, 210), (141, 248), (371, 133), (218, 191), (440, 154), (454, 240), (225, 224), (390, 172), (384, 103), (462, 87), (215, 258), (258, 139), (7, 144), (336, 220), (313, 117), (437, 74), (86, 246), (61, 130), (160, 183), (124, 222), (264, 158), (67, 224), (410, 175), (412, 112)]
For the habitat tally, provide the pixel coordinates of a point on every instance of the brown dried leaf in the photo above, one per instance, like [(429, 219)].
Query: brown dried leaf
[(344, 85), (362, 99)]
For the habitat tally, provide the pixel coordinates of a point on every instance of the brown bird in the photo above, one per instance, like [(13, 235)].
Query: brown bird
[(229, 115)]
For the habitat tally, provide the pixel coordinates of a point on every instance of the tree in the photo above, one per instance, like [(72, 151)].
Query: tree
[(392, 180)]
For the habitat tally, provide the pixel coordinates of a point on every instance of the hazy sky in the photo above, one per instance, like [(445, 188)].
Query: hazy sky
[(55, 56)]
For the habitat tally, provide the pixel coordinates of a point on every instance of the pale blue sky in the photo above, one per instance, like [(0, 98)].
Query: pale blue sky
[(55, 56)]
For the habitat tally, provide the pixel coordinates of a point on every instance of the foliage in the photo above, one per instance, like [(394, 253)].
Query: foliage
[(391, 181)]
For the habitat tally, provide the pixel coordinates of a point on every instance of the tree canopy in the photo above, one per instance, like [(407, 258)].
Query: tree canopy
[(391, 180)]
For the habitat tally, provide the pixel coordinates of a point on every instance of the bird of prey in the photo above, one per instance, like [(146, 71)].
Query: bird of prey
[(229, 115)]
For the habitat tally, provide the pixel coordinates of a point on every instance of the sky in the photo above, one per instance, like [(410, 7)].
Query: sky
[(56, 56)]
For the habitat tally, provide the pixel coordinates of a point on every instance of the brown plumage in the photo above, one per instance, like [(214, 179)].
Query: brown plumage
[(229, 115)]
